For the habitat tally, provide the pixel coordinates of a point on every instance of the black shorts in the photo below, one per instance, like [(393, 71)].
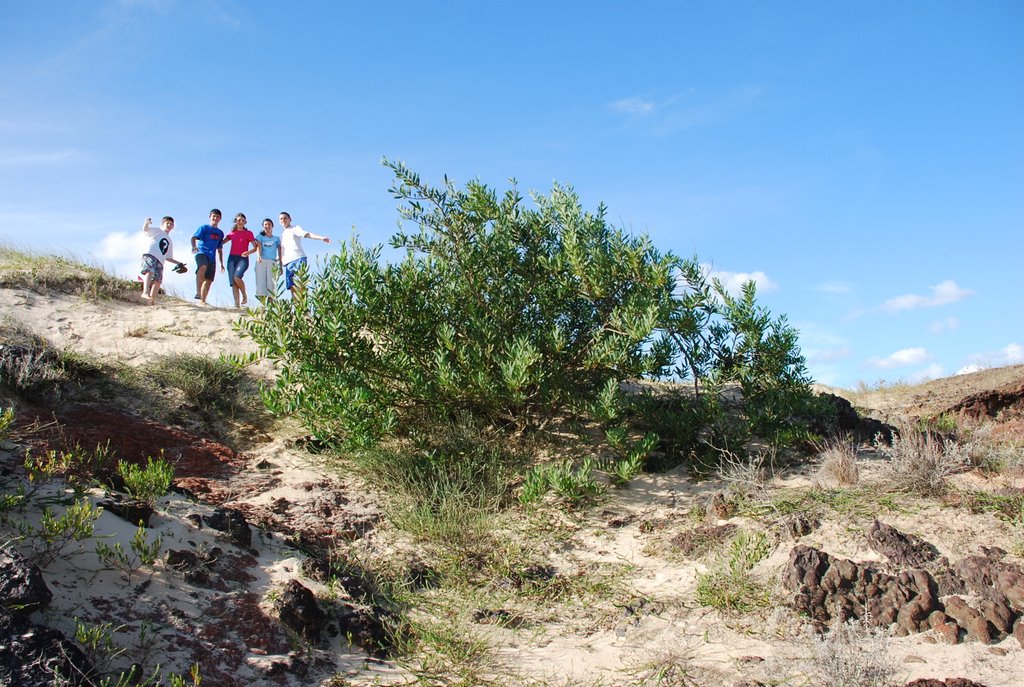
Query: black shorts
[(211, 265)]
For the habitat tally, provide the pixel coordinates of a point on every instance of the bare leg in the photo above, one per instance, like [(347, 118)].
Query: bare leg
[(241, 288), (205, 291), (154, 290), (146, 279), (200, 280)]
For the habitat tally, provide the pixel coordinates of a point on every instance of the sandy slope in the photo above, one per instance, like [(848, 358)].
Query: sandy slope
[(122, 331), (573, 643)]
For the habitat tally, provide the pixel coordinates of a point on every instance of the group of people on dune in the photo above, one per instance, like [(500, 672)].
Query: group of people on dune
[(273, 253)]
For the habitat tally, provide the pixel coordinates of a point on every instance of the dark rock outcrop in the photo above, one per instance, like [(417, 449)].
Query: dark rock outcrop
[(22, 588), (298, 610), (830, 589), (1007, 401), (33, 656), (846, 420), (365, 628), (233, 523), (130, 510), (904, 550)]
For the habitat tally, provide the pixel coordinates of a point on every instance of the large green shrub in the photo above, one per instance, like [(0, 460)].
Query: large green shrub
[(721, 339), (507, 312)]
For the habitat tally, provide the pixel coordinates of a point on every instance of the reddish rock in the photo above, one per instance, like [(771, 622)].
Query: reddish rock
[(944, 626), (999, 614), (913, 616), (1010, 582), (901, 549), (977, 627), (718, 507), (1007, 401)]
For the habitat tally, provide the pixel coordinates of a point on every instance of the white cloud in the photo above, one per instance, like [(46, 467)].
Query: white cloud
[(120, 246), (942, 294), (949, 324), (901, 358), (1011, 354), (968, 369), (633, 106), (933, 371), (734, 281), (824, 374)]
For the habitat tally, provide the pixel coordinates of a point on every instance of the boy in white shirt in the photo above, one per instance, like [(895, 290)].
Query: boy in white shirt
[(160, 250), (292, 254)]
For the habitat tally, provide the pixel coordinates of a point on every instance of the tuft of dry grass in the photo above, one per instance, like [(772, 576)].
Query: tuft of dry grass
[(27, 362), (838, 464), (996, 447), (669, 668), (50, 273), (137, 332), (753, 471), (921, 462), (853, 654)]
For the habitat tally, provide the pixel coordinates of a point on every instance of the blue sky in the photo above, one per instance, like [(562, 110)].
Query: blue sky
[(863, 161)]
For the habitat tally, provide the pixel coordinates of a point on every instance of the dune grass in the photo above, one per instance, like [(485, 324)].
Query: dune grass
[(44, 274)]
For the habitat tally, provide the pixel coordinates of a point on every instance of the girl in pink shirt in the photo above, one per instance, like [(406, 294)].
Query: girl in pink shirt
[(243, 242)]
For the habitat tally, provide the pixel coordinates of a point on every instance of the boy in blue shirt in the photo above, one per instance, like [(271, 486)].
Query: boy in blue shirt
[(207, 241)]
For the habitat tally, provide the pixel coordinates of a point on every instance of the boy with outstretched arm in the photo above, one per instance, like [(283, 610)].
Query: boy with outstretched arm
[(160, 250), (206, 242), (291, 248)]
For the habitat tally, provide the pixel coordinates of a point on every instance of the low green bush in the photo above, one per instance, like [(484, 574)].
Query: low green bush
[(446, 481), (146, 483), (728, 584), (212, 383)]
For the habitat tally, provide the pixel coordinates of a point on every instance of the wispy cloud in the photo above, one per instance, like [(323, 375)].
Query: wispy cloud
[(942, 294), (633, 106), (948, 324), (901, 358), (852, 315), (1011, 354), (820, 345), (682, 111)]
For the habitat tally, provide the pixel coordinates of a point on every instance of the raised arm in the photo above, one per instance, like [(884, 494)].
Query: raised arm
[(316, 237)]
